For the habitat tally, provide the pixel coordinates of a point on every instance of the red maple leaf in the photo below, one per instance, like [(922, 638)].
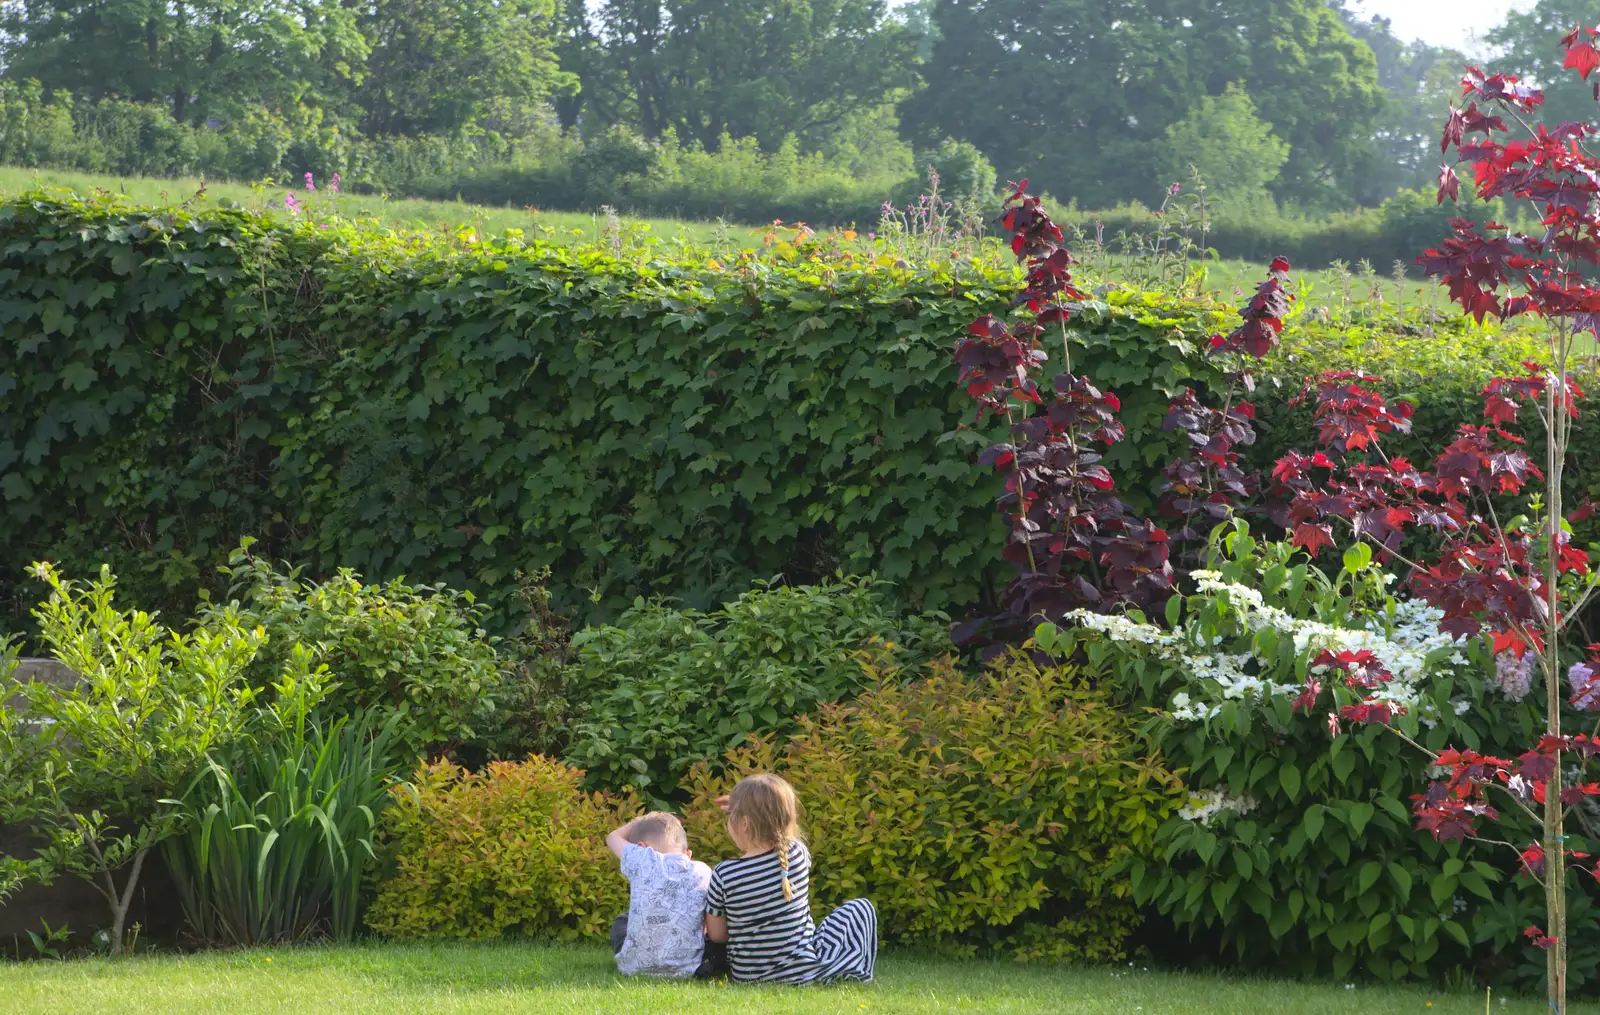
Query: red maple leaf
[(1581, 57), (1449, 185), (1312, 538)]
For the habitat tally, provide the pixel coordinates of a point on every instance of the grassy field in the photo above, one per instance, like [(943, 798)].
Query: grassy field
[(1335, 290), (425, 215), (527, 979)]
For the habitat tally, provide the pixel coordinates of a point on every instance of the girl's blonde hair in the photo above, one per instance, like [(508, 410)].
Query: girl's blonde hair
[(771, 813)]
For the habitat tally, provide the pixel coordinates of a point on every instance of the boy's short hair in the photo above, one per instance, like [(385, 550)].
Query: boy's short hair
[(662, 829)]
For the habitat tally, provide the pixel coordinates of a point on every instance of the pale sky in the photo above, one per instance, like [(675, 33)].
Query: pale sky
[(1455, 23)]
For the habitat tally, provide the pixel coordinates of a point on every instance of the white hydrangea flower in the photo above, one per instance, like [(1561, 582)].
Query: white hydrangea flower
[(1403, 641), (1202, 807)]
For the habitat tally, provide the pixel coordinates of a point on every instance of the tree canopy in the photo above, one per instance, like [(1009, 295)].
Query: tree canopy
[(1526, 44), (1097, 101), (1073, 92), (203, 60), (752, 68)]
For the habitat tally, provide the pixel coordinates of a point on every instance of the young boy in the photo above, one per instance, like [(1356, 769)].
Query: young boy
[(664, 931)]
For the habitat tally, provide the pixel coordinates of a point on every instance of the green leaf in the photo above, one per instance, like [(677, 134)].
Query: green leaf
[(1314, 818), (1222, 892), (1358, 815), (1046, 635), (1441, 887), (1473, 882), (1289, 779), (1401, 878), (1368, 876), (1356, 557), (1344, 763)]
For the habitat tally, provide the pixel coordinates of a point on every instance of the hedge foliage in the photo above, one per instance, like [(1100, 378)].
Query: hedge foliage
[(995, 812), (664, 688), (456, 409)]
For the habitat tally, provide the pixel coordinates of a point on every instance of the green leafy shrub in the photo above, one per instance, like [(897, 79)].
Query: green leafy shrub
[(90, 768), (277, 833), (1292, 853), (516, 849), (664, 688), (966, 177), (418, 651), (994, 812)]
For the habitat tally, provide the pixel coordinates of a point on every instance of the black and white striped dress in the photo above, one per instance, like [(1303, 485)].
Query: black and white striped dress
[(773, 940)]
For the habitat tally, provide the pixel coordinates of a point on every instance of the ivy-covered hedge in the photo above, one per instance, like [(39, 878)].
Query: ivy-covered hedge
[(455, 409)]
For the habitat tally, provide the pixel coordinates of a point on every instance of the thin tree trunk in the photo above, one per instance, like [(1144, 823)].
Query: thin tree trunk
[(1555, 884), (119, 909)]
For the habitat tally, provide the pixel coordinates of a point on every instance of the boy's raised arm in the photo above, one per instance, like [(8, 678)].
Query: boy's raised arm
[(618, 840)]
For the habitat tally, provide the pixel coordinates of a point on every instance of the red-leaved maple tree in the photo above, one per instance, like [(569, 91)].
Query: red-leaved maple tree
[(1074, 543), (1500, 563)]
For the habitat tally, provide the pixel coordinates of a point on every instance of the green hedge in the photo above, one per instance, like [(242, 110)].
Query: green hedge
[(454, 410), (1398, 230)]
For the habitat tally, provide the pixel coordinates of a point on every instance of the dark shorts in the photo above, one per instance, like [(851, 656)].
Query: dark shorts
[(712, 965)]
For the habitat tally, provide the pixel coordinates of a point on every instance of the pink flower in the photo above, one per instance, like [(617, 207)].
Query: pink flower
[(310, 183), (336, 183), (1174, 189), (1585, 687), (1513, 675), (290, 203)]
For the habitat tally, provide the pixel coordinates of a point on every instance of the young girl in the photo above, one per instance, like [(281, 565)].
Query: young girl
[(760, 903)]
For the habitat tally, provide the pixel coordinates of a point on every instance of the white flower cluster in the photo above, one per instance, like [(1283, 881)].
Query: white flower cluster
[(1202, 807), (1403, 646)]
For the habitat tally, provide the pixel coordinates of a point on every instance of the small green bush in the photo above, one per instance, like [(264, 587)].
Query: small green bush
[(664, 688), (418, 651), (989, 812), (90, 767), (516, 849)]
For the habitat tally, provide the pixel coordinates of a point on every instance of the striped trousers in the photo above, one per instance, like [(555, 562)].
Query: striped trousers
[(847, 943)]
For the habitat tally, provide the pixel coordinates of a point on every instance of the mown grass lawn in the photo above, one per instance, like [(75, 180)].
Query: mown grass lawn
[(534, 979)]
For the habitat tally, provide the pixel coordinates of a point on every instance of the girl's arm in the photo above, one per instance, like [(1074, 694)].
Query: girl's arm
[(716, 929), (618, 840)]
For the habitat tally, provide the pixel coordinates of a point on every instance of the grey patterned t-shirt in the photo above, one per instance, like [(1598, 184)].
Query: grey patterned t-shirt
[(666, 913)]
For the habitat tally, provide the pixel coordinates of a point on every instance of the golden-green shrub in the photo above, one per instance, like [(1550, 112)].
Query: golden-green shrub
[(516, 849), (990, 812)]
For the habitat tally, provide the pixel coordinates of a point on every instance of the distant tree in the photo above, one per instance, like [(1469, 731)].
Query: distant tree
[(201, 59), (1118, 73), (602, 96), (435, 66), (1227, 141), (752, 68), (1524, 42), (1419, 81), (1311, 80)]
